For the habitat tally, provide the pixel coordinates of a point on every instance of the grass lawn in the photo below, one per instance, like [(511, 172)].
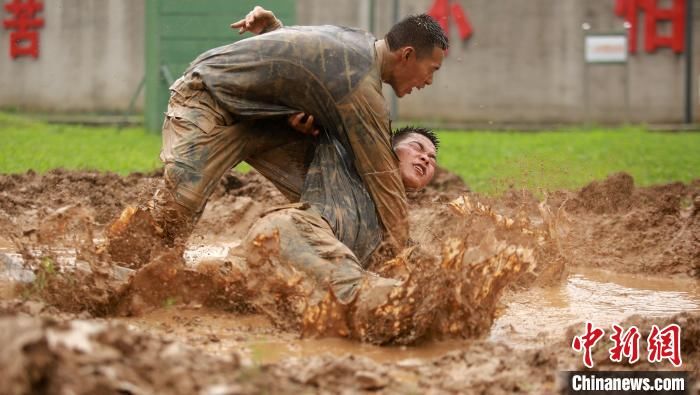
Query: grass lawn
[(28, 144), (492, 161), (489, 162)]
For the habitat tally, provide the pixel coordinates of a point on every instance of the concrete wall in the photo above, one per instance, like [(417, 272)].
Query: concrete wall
[(91, 58), (524, 62)]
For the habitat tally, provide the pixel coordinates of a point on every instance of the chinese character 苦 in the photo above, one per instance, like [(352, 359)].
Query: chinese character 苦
[(24, 39)]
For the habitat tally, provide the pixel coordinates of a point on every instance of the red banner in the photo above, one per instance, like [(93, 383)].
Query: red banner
[(441, 10)]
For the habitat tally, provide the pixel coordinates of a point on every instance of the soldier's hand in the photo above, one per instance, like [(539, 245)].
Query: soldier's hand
[(303, 123), (257, 21)]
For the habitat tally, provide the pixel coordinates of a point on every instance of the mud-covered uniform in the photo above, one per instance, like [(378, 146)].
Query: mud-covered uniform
[(232, 103)]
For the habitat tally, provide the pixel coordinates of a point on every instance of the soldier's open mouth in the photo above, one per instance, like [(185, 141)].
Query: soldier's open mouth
[(419, 169)]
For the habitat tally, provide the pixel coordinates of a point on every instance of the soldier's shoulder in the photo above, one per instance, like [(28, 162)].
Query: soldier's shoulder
[(332, 30)]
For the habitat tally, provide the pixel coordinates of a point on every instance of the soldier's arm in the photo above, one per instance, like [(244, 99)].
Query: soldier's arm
[(366, 116), (258, 21)]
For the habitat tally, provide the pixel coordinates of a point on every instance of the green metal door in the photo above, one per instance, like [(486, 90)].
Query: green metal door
[(179, 30)]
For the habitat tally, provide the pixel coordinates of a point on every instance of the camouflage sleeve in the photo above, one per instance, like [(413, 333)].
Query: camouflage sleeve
[(366, 117)]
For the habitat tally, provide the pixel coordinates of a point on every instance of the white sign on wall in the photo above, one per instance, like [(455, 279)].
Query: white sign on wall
[(606, 48)]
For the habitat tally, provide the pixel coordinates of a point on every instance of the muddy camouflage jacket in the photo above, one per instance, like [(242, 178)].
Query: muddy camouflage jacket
[(332, 73)]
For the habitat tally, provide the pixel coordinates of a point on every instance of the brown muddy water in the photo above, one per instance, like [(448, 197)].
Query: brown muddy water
[(539, 315), (529, 320), (222, 333), (608, 253)]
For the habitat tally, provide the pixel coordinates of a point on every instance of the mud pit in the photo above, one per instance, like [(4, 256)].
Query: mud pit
[(608, 253)]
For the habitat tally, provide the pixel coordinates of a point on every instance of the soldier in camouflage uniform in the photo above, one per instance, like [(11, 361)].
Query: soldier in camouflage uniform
[(308, 243), (232, 105)]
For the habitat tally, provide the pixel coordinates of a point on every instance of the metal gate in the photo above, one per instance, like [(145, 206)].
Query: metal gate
[(179, 30)]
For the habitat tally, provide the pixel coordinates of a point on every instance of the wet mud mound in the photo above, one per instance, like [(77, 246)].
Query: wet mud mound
[(167, 281), (608, 224), (88, 356), (27, 199), (84, 357), (638, 230)]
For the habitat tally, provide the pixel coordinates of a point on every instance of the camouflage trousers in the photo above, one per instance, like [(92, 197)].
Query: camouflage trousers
[(305, 242), (292, 258), (202, 141)]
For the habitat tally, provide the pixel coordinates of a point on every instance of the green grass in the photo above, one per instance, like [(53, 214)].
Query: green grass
[(28, 144), (489, 162)]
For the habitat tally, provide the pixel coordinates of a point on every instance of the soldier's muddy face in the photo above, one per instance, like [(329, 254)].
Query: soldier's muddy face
[(415, 70), (417, 161)]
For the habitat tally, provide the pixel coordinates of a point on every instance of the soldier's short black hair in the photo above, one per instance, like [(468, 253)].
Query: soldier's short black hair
[(401, 134), (421, 32)]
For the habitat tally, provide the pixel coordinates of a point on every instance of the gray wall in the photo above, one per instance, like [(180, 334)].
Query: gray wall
[(91, 58), (524, 62)]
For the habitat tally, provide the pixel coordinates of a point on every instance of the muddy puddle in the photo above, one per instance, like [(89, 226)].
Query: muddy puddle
[(14, 269), (540, 315), (222, 333), (529, 319)]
